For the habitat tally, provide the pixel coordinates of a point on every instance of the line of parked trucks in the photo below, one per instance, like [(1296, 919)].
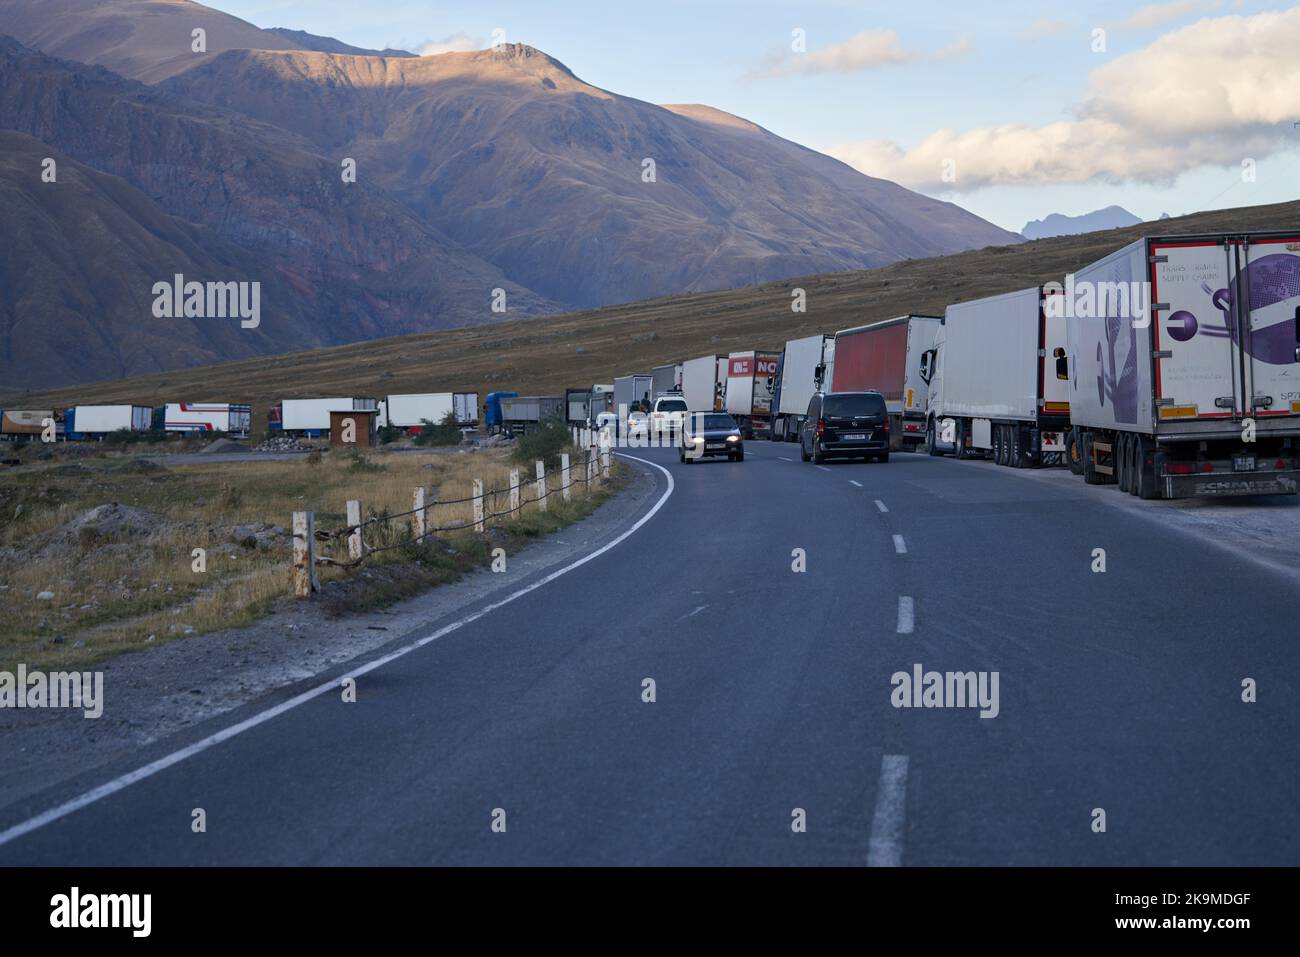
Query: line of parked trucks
[(1170, 368)]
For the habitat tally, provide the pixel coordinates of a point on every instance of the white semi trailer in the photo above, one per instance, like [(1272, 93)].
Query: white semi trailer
[(311, 417), (798, 377), (1184, 368), (704, 383), (411, 411), (207, 417), (993, 387)]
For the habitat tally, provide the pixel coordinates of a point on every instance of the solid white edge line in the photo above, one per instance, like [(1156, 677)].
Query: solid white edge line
[(900, 546), (823, 468), (225, 734), (885, 846), (906, 615)]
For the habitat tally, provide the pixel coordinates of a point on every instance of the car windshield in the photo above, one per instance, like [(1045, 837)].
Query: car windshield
[(714, 422), (853, 405), (672, 405)]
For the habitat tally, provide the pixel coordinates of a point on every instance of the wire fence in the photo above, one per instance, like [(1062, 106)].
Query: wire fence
[(520, 494)]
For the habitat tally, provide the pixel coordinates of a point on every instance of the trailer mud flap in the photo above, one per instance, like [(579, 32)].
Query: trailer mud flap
[(1224, 484)]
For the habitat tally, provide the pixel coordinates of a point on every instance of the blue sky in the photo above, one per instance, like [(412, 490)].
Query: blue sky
[(1036, 119)]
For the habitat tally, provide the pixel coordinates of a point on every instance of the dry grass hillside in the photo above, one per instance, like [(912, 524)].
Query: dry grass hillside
[(548, 354)]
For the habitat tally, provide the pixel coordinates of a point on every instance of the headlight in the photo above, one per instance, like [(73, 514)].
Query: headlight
[(733, 438), (698, 440)]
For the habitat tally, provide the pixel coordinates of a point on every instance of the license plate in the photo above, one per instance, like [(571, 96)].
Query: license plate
[(714, 446), (1243, 463), (853, 437)]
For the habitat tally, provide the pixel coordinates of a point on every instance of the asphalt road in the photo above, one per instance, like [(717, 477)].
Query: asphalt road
[(1119, 690)]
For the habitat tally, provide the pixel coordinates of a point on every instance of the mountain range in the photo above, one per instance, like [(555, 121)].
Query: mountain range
[(482, 179), (1058, 224)]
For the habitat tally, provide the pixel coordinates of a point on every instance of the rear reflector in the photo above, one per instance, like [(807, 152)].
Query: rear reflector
[(1207, 467), (1178, 412), (1295, 408), (1179, 468)]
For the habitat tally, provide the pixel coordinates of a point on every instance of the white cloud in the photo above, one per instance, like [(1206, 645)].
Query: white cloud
[(456, 43), (1210, 94), (1158, 14), (1042, 28), (868, 50)]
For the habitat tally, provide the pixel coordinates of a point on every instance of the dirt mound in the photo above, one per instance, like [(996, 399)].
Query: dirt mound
[(106, 524), (223, 445)]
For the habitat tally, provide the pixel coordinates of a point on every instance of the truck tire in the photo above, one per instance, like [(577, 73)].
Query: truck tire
[(1074, 452), (930, 445), (999, 446), (1124, 448), (960, 435), (1144, 477), (1015, 440), (1090, 475)]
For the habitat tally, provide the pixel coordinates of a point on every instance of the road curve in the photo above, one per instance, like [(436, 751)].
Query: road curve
[(1118, 690)]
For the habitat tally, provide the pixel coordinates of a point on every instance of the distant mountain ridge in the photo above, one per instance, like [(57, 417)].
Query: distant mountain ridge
[(478, 172), (1057, 224), (310, 41)]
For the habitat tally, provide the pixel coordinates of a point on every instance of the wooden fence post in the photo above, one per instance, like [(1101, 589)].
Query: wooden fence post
[(478, 505), (354, 536), (564, 474), (417, 517), (604, 464), (514, 493), (304, 554), (591, 466), (541, 485)]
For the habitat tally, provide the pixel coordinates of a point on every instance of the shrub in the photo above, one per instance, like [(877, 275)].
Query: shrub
[(544, 442), (446, 432), (359, 463)]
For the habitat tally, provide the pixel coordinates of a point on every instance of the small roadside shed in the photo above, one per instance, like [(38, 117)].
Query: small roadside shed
[(354, 428)]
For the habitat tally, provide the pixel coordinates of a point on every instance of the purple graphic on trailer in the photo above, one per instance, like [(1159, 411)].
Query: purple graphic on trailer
[(1121, 389), (1269, 281)]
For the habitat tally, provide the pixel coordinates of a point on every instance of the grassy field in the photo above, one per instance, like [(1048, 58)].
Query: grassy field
[(121, 577), (547, 355)]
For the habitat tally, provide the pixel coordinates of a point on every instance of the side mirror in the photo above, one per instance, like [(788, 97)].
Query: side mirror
[(1062, 364)]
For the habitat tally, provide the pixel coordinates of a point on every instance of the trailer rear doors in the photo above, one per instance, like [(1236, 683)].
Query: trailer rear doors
[(1227, 327)]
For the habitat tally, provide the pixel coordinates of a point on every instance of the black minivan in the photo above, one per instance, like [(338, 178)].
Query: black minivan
[(845, 425)]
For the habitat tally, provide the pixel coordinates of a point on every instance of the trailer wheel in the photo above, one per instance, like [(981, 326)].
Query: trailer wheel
[(999, 446), (1144, 478), (1123, 463), (1090, 474), (930, 445), (1013, 441), (1074, 452)]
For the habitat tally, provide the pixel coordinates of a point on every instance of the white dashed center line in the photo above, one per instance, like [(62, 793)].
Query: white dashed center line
[(881, 505), (906, 615), (885, 847), (852, 482), (900, 546)]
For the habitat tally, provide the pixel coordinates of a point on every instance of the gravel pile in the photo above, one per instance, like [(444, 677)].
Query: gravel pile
[(283, 443)]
